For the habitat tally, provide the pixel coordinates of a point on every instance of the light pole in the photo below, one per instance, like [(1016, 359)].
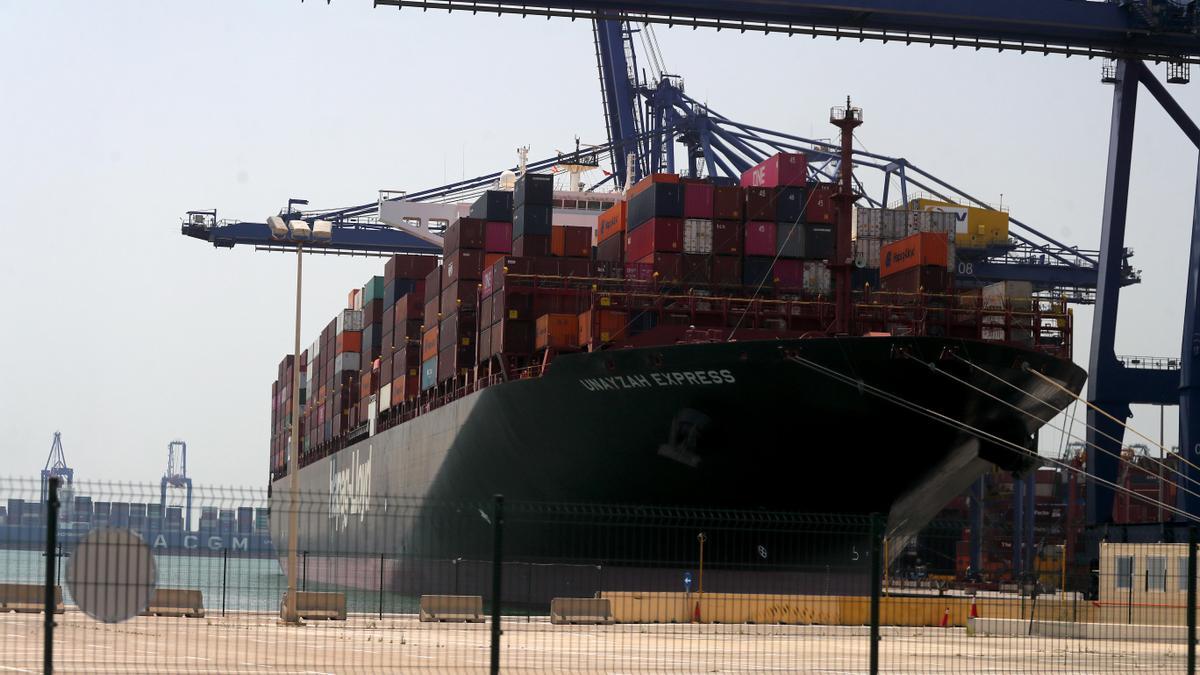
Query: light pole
[(295, 231)]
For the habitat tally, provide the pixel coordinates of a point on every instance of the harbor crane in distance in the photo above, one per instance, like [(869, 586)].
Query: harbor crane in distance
[(176, 477), (56, 466)]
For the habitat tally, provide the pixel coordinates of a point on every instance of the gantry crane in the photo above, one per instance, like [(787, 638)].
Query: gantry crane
[(646, 118), (176, 477), (56, 466)]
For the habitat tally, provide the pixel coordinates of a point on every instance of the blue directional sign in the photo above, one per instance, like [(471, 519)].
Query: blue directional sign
[(687, 582)]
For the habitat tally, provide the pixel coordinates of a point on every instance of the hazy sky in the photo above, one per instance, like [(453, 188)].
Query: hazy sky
[(117, 117)]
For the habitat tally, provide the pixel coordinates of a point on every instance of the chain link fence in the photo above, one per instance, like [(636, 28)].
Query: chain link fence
[(391, 584)]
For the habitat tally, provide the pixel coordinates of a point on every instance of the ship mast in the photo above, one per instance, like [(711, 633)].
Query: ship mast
[(846, 119)]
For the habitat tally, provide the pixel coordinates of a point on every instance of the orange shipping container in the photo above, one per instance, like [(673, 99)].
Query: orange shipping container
[(404, 388), (605, 325), (923, 248), (611, 223), (646, 182), (557, 331), (490, 259), (558, 240), (349, 341), (429, 344)]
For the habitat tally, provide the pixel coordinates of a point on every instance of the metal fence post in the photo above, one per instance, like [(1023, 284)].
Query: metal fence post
[(381, 587), (1191, 602), (497, 569), (876, 586), (224, 577), (51, 545)]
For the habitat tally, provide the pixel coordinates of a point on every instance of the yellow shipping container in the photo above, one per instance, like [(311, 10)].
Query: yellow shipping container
[(984, 227)]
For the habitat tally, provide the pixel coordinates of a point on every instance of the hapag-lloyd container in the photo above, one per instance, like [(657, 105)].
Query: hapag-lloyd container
[(655, 235), (697, 199), (697, 236), (784, 169), (760, 238), (610, 223), (919, 250)]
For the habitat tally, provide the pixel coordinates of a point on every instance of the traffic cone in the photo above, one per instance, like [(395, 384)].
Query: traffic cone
[(696, 612), (974, 611), (946, 618)]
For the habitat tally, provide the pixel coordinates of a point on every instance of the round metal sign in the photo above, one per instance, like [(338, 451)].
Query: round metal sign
[(111, 575)]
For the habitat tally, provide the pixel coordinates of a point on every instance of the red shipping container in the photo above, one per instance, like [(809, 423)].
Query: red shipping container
[(571, 242), (728, 202), (760, 238), (498, 237), (663, 235), (821, 207), (727, 271), (727, 238), (408, 266), (760, 204), (789, 273), (349, 341), (512, 337), (786, 169), (697, 199), (463, 264), (531, 246), (433, 284), (696, 269), (464, 233), (410, 305), (666, 268), (460, 295), (493, 277)]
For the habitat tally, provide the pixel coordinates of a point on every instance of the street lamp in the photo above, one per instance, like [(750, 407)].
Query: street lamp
[(296, 231)]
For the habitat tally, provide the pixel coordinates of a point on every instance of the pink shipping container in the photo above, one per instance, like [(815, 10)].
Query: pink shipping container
[(657, 235), (789, 273), (786, 169), (497, 237), (697, 200), (760, 238)]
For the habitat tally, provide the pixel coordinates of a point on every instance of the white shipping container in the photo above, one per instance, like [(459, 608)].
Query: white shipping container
[(350, 319), (817, 278), (697, 236), (385, 396), (866, 252), (347, 361), (1018, 293), (867, 223)]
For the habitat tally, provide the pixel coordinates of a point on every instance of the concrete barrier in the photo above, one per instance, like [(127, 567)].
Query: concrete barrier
[(313, 605), (1078, 631), (28, 598), (176, 602), (581, 611), (464, 608)]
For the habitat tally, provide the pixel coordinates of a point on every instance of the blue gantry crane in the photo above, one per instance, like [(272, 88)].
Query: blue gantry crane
[(646, 116)]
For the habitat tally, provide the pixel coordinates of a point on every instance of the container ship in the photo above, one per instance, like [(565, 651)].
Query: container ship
[(743, 345), (241, 531)]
